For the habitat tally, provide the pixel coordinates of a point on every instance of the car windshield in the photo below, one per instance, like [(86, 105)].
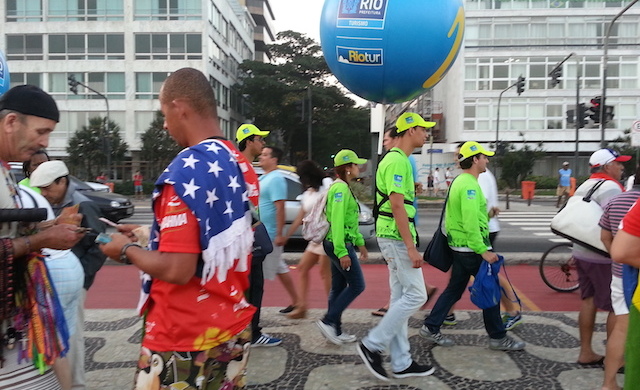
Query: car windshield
[(80, 185)]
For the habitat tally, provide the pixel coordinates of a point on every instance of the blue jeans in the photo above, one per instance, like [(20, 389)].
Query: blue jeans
[(465, 265), (408, 294), (345, 285)]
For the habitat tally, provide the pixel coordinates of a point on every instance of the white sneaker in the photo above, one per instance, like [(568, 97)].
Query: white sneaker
[(329, 332), (347, 338)]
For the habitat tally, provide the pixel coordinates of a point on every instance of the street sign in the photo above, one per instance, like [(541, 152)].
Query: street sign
[(434, 151), (635, 133)]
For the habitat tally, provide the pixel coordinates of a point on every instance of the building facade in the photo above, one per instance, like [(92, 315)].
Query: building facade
[(124, 49), (505, 39)]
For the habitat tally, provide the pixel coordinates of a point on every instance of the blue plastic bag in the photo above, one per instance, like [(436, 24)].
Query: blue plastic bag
[(485, 290), (629, 282)]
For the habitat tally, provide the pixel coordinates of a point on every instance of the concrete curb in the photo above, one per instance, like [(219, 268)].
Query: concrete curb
[(529, 258)]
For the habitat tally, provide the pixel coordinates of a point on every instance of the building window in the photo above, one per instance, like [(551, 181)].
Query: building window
[(167, 9), (168, 46), (148, 84), (24, 47), (110, 84), (24, 10), (86, 47), (89, 10), (26, 78)]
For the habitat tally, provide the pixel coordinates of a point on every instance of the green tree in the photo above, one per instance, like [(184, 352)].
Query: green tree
[(88, 148), (275, 90), (158, 148), (623, 146), (516, 165)]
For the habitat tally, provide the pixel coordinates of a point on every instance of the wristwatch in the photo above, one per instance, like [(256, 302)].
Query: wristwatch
[(123, 252)]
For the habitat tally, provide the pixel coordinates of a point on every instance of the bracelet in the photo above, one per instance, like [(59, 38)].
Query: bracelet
[(123, 255), (27, 242)]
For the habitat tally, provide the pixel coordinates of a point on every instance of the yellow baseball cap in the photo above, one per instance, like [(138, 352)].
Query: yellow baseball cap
[(346, 156), (471, 148), (247, 130), (411, 119)]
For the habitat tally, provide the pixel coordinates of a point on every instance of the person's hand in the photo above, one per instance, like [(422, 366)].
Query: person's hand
[(280, 240), (345, 262), (61, 236), (415, 257), (364, 253), (494, 211), (419, 188), (71, 219), (127, 230), (113, 248), (490, 257)]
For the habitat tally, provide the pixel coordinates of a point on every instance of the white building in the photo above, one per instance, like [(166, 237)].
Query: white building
[(508, 38), (124, 49)]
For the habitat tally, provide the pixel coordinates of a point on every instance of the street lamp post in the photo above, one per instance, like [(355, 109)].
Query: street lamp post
[(73, 86), (520, 84), (605, 60)]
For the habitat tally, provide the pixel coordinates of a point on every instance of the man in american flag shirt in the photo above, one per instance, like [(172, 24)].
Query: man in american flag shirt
[(197, 331)]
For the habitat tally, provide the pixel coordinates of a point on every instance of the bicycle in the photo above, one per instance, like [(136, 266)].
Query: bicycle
[(558, 268)]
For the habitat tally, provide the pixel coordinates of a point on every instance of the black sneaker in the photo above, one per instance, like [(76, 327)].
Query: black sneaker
[(415, 369), (287, 309), (373, 361)]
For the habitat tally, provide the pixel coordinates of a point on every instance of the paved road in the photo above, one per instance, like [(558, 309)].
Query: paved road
[(524, 229)]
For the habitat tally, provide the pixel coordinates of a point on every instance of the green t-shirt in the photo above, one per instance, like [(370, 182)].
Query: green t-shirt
[(395, 175), (342, 212), (466, 219)]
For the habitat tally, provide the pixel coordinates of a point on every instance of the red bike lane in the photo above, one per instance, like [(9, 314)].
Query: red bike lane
[(117, 287)]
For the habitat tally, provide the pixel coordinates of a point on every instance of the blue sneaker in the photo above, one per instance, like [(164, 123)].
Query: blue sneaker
[(266, 341), (510, 322)]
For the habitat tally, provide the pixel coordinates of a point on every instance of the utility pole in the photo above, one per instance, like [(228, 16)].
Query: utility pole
[(309, 125), (73, 87)]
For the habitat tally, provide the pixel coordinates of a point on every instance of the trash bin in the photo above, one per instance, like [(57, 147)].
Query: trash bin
[(528, 189)]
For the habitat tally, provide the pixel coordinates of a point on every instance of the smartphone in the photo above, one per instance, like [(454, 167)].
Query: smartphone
[(83, 230), (108, 222), (103, 238)]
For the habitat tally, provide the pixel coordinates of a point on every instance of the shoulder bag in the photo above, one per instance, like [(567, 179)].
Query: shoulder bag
[(579, 221), (438, 252)]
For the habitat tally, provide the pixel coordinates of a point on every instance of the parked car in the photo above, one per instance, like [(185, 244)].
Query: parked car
[(292, 205), (113, 206)]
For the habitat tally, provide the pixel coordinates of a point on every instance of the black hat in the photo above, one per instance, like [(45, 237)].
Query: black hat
[(30, 100)]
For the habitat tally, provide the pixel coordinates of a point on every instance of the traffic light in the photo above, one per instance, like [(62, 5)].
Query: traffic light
[(555, 77), (571, 116), (73, 84), (608, 113), (582, 115), (595, 109), (520, 85), (579, 115)]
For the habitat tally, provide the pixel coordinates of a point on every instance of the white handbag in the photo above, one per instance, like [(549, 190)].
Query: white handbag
[(579, 221)]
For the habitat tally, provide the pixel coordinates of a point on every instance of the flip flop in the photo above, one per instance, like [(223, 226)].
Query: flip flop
[(380, 312), (593, 363)]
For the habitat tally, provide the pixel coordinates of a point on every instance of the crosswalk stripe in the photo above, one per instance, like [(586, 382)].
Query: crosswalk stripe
[(541, 228), (529, 223)]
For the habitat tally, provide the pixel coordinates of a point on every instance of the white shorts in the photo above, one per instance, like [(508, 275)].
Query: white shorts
[(274, 263), (316, 249), (617, 297)]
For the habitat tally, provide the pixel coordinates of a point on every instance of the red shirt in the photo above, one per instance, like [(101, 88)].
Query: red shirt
[(631, 222), (191, 317), (137, 180)]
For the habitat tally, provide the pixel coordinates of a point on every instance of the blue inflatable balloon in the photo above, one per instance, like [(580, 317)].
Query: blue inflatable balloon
[(4, 74), (391, 51)]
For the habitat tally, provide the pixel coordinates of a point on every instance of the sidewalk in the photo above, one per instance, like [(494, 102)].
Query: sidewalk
[(306, 361)]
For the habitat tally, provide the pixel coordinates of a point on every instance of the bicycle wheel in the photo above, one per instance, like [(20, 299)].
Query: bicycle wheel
[(558, 268)]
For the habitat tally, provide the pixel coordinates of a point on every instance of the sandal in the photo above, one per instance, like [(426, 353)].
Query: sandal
[(380, 312)]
